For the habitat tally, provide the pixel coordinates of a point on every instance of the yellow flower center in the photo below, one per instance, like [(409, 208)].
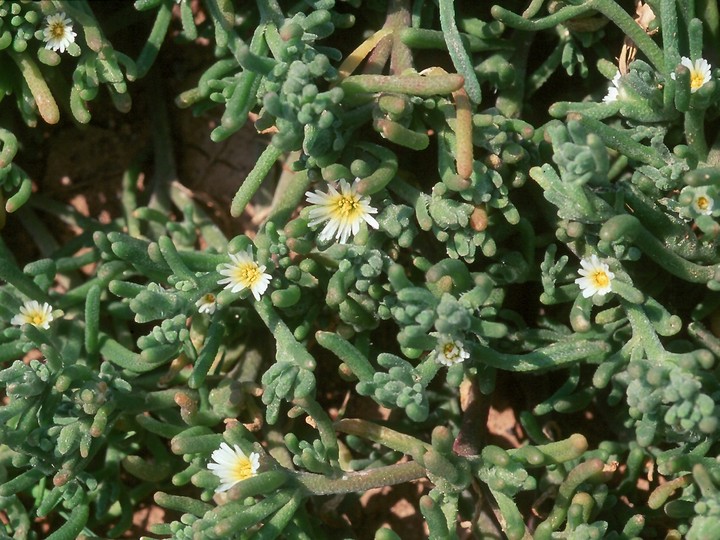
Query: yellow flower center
[(37, 318), (242, 469), (248, 274), (57, 30), (209, 298), (450, 351), (600, 279), (703, 203), (697, 79), (346, 207)]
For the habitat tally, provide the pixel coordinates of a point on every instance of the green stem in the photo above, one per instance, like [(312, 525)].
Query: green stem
[(360, 481), (669, 31), (609, 8), (533, 8), (223, 20), (642, 327), (288, 348), (622, 142), (460, 58), (182, 504), (423, 38), (324, 426), (211, 346), (244, 517), (630, 228), (174, 261), (9, 147), (270, 11), (551, 357), (376, 60), (545, 71), (288, 194), (385, 172), (39, 231), (383, 435), (155, 39), (511, 99), (560, 16), (347, 353), (463, 134), (280, 519), (398, 18), (695, 132), (10, 273), (660, 494), (123, 357), (106, 273), (218, 70), (44, 100), (129, 198), (74, 524), (64, 212), (704, 480), (417, 85), (210, 232), (658, 223), (254, 179), (704, 337), (589, 471), (165, 171), (627, 24), (243, 97), (92, 322)]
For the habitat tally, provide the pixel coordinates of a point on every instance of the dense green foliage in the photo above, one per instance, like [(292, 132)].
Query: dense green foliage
[(500, 165)]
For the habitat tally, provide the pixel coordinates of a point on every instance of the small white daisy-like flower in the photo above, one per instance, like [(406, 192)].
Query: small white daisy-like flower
[(700, 72), (33, 313), (450, 351), (244, 273), (343, 211), (58, 33), (703, 203), (231, 465), (612, 93), (596, 277), (207, 304)]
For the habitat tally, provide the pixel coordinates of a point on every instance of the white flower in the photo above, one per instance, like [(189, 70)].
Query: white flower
[(450, 351), (33, 313), (207, 304), (344, 211), (231, 465), (612, 93), (699, 72), (58, 33), (244, 273), (596, 277), (703, 203)]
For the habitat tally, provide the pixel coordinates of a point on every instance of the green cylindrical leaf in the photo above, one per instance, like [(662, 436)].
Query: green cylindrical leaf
[(74, 525), (92, 321), (205, 359), (182, 504)]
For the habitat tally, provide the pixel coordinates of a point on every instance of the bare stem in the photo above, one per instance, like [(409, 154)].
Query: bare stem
[(389, 475)]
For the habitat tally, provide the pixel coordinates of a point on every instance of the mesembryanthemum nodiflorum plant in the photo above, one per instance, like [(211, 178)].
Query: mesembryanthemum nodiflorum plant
[(436, 245)]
